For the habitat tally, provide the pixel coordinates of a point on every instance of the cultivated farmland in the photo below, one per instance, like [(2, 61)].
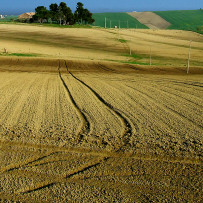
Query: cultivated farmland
[(116, 19), (82, 120), (150, 19), (183, 20)]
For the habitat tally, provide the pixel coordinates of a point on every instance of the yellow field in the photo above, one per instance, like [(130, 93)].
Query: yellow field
[(81, 122)]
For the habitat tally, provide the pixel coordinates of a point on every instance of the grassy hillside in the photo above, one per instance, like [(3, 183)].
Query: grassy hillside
[(184, 20), (126, 21)]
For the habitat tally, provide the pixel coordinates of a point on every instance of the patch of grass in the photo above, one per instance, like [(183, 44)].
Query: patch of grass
[(136, 62), (19, 54), (184, 20), (122, 40), (135, 56), (129, 62), (62, 26), (113, 19), (47, 24)]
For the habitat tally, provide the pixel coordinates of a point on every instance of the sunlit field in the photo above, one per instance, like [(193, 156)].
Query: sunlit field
[(100, 115)]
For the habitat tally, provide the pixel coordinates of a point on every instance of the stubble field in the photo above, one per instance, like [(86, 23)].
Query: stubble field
[(95, 130)]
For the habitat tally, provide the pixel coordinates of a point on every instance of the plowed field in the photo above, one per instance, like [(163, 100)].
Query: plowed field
[(96, 131)]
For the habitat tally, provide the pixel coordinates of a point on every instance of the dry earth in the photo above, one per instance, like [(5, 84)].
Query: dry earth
[(150, 19), (169, 48), (94, 130)]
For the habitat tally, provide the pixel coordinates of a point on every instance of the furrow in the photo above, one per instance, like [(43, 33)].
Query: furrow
[(166, 90), (192, 84), (168, 108)]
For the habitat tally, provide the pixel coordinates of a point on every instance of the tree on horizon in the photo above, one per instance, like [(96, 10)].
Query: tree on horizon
[(62, 14)]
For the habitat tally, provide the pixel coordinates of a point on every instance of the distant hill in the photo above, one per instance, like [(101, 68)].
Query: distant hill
[(180, 19), (112, 20), (184, 20)]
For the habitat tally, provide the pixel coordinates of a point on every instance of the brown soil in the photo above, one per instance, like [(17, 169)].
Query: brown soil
[(150, 19), (77, 127)]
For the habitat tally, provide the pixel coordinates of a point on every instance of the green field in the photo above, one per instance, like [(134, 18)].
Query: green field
[(184, 20), (112, 20)]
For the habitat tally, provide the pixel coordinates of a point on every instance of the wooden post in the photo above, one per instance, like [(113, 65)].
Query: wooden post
[(105, 22), (188, 62), (150, 59), (127, 24), (119, 24), (130, 49), (110, 23)]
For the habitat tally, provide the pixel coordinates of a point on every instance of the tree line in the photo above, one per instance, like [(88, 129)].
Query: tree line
[(62, 14)]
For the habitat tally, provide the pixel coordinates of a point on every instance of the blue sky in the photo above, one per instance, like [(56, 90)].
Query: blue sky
[(20, 6)]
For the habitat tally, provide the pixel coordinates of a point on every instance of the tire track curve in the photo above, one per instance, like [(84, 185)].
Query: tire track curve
[(25, 163), (80, 170), (128, 128), (86, 124)]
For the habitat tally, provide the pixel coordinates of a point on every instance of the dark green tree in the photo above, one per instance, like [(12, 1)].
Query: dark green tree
[(75, 17), (66, 13), (63, 14), (87, 16), (69, 16), (79, 12), (54, 9), (41, 13)]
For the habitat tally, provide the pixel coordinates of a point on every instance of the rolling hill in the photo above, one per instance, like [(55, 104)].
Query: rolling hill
[(180, 20), (151, 20), (184, 20), (112, 20)]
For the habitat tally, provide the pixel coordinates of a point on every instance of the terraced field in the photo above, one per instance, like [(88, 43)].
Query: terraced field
[(90, 124)]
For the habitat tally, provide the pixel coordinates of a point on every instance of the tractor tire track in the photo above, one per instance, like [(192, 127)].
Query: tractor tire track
[(103, 67), (86, 124), (25, 163), (103, 154), (128, 129), (67, 176)]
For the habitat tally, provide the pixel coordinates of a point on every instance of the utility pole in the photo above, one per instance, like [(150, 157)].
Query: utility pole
[(188, 63), (130, 47), (105, 22)]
